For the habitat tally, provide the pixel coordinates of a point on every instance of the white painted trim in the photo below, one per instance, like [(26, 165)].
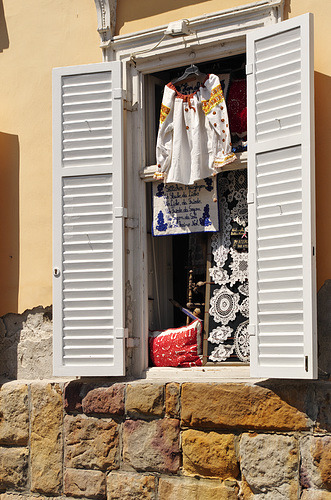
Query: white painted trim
[(210, 35), (106, 15)]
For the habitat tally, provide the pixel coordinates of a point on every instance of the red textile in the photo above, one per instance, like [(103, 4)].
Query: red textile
[(176, 346), (237, 107)]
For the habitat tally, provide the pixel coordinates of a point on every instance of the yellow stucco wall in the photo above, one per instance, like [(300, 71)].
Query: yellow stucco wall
[(37, 35)]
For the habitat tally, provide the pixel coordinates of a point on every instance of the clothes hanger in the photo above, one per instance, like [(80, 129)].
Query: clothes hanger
[(191, 70)]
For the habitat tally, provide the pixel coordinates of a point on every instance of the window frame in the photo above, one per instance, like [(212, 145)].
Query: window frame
[(213, 36)]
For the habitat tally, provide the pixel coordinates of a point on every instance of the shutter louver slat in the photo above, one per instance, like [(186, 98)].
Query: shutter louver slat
[(87, 104), (282, 301), (88, 177)]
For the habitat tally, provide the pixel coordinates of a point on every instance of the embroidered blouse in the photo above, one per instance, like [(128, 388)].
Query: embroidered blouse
[(194, 139)]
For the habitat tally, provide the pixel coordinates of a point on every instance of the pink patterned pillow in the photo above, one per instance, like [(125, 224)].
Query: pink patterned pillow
[(177, 346)]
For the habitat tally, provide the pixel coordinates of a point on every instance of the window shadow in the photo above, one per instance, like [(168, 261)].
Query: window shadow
[(4, 39), (9, 223), (140, 10), (323, 176)]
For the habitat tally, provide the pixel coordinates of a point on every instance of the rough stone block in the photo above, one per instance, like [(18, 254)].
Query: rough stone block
[(233, 406), (26, 350), (46, 438), (314, 495), (13, 468), (315, 470), (14, 414), (91, 443), (128, 486), (105, 400), (145, 399), (195, 489), (26, 496), (209, 454), (35, 358), (323, 401), (73, 394), (152, 446), (84, 483), (270, 464), (172, 400)]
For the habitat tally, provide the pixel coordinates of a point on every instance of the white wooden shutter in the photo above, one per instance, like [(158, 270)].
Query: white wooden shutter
[(281, 200), (88, 220)]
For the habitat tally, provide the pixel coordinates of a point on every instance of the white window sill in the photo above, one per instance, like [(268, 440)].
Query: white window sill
[(199, 374), (147, 173)]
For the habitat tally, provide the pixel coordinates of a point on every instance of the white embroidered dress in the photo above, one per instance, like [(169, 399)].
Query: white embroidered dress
[(194, 139)]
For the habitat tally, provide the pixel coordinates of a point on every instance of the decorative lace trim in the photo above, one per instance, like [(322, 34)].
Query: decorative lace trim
[(241, 341), (221, 242), (219, 334), (229, 304), (221, 352), (164, 113), (219, 275), (238, 266), (224, 305), (244, 307), (216, 96), (239, 213), (243, 289)]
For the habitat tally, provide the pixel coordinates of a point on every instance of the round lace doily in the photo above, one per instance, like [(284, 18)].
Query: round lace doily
[(241, 341)]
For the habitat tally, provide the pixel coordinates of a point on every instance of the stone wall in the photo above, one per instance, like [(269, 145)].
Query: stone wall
[(26, 344), (172, 441)]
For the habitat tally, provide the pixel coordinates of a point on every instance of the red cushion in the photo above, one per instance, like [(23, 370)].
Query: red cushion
[(176, 346)]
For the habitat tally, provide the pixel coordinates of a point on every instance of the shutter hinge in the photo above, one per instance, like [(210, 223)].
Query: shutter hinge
[(120, 212), (306, 363), (119, 94), (131, 223), (250, 198), (128, 106), (251, 330), (132, 342), (121, 333), (249, 69)]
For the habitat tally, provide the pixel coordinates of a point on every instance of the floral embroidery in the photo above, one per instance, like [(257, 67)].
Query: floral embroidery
[(216, 96), (164, 113), (159, 176), (225, 160)]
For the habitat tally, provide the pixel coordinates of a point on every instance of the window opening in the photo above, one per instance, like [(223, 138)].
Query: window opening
[(206, 273)]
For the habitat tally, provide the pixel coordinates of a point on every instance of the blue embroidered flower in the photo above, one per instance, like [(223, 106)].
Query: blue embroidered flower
[(205, 219), (160, 191), (209, 184), (161, 225)]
